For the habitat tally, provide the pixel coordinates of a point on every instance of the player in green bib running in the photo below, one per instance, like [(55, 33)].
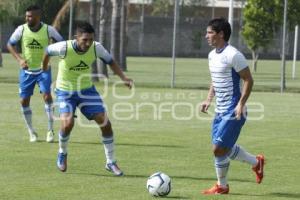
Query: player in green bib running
[(34, 36), (74, 88)]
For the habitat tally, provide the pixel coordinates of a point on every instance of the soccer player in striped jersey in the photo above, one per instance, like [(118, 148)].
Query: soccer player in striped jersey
[(34, 36), (74, 88), (231, 85)]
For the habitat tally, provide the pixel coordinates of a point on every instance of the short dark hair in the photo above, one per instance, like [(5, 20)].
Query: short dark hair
[(221, 24), (33, 8), (84, 27)]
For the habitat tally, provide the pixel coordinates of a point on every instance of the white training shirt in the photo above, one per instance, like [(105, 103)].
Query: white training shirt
[(224, 68), (17, 35), (59, 49)]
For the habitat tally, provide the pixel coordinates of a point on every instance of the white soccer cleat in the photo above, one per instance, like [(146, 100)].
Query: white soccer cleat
[(113, 168), (33, 137), (50, 136)]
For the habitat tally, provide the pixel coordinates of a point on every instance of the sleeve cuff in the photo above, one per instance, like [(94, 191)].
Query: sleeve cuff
[(12, 42)]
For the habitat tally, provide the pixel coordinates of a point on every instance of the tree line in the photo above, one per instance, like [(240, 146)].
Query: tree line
[(56, 12), (261, 20)]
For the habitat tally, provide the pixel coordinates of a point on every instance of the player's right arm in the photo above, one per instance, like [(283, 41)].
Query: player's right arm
[(210, 96), (11, 46), (56, 49), (45, 61), (54, 34)]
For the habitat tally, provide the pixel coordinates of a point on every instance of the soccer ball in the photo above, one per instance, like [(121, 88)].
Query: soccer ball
[(159, 184)]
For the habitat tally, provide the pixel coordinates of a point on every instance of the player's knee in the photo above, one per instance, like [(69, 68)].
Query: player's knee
[(107, 123), (25, 102), (102, 120), (67, 124), (219, 151), (48, 98), (67, 127), (107, 129)]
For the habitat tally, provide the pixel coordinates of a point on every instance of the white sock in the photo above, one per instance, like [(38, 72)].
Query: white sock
[(222, 166), (238, 153), (63, 142), (27, 113), (49, 113), (108, 144)]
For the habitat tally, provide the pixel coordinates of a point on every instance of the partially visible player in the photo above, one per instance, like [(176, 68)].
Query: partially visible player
[(34, 36), (74, 88), (229, 69)]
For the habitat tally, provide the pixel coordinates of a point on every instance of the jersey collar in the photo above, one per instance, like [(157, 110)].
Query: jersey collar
[(75, 47), (220, 50)]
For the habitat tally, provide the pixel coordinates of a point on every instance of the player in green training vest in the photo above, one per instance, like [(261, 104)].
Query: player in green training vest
[(74, 88), (34, 37)]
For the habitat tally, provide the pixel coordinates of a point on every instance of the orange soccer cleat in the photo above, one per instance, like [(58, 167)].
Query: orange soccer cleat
[(216, 189), (259, 168)]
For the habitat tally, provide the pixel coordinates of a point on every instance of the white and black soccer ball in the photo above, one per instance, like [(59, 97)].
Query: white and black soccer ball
[(159, 184)]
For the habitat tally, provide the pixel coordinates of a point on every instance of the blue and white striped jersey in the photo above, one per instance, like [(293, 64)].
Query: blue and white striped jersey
[(224, 67)]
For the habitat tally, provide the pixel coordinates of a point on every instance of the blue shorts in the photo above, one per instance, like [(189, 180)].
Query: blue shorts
[(226, 129), (88, 101), (28, 80)]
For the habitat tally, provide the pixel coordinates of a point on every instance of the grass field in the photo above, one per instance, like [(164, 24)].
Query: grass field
[(190, 73), (145, 144)]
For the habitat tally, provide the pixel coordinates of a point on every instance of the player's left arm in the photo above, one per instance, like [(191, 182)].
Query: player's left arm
[(117, 70), (246, 76), (103, 54), (240, 65), (54, 34)]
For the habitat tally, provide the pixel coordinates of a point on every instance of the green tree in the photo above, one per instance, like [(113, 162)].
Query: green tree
[(115, 29), (293, 14), (93, 21), (61, 20), (50, 9), (4, 16), (16, 9), (162, 8), (263, 19), (103, 18), (123, 35), (259, 28)]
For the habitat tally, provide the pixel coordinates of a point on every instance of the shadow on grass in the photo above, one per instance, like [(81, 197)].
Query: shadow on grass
[(131, 144), (285, 195), (40, 141), (276, 194), (129, 176), (175, 197), (208, 179), (146, 176), (252, 195)]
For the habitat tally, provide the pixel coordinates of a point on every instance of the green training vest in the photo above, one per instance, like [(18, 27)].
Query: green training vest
[(74, 70), (34, 45)]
